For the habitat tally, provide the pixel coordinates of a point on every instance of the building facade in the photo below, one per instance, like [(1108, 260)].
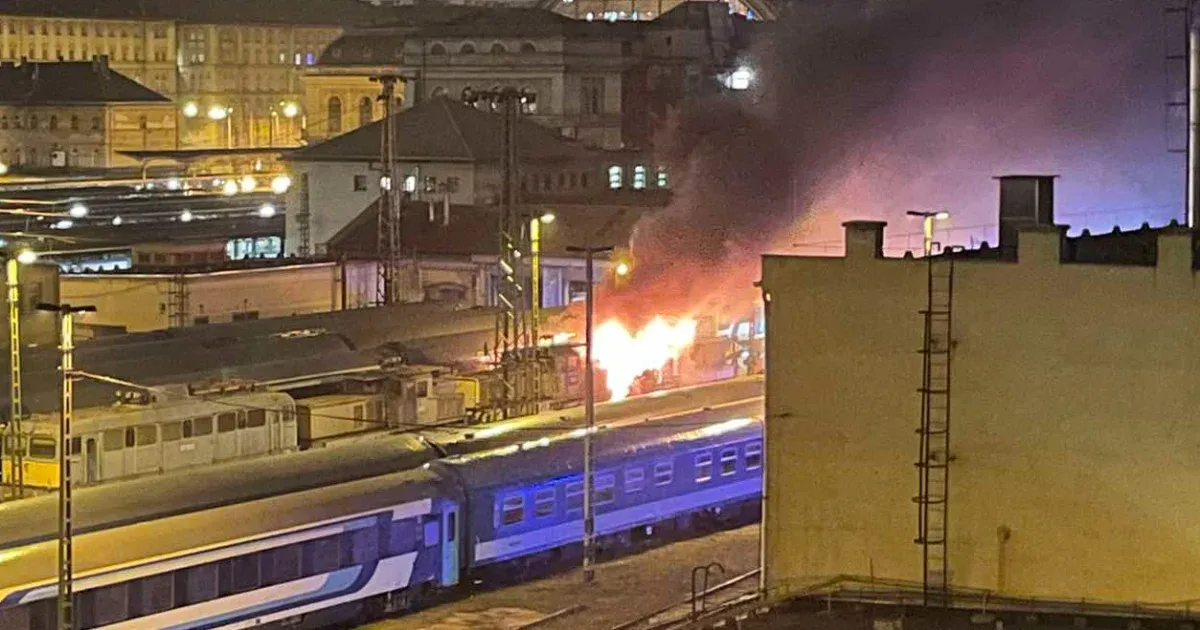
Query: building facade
[(1072, 386), (79, 114), (598, 82)]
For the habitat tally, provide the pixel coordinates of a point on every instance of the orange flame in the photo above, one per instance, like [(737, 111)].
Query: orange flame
[(625, 356)]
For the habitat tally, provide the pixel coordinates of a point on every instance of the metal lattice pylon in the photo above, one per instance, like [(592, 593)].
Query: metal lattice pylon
[(389, 286)]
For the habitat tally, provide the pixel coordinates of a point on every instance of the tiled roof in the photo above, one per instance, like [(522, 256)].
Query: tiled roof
[(441, 129), (313, 12), (60, 82), (473, 230)]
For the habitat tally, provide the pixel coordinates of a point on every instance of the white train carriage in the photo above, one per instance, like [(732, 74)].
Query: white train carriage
[(131, 439)]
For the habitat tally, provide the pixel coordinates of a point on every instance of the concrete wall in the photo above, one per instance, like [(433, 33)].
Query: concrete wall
[(1074, 397)]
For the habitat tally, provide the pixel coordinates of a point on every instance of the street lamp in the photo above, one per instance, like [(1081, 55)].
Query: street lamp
[(77, 210), (589, 516), (927, 219), (66, 612), (191, 109), (219, 113)]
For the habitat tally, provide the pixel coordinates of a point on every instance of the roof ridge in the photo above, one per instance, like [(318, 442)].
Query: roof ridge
[(454, 125)]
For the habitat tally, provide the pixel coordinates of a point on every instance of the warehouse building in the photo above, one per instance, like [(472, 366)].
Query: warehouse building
[(1071, 391)]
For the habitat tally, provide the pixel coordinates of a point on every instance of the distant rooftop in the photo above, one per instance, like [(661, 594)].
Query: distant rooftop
[(70, 82), (441, 129), (296, 12)]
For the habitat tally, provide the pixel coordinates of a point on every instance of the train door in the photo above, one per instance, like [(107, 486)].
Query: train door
[(91, 459), (226, 444), (450, 538)]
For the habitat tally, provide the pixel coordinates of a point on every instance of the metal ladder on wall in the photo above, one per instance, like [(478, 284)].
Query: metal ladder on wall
[(934, 459)]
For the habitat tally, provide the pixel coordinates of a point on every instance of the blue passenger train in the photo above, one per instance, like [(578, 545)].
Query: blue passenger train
[(378, 545)]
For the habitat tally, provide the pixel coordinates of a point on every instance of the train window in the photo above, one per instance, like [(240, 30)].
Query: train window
[(728, 461), (76, 446), (109, 604), (364, 546), (187, 429), (704, 467), (153, 594), (256, 418), (433, 534), (226, 422), (202, 426), (754, 456), (147, 434), (512, 510), (663, 472), (173, 431), (402, 538), (281, 565), (574, 494), (321, 555), (114, 440), (245, 573), (452, 527), (635, 479), (241, 420), (200, 584), (543, 503), (606, 489), (129, 437), (42, 448)]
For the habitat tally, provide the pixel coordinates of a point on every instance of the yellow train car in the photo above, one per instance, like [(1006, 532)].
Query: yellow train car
[(132, 439)]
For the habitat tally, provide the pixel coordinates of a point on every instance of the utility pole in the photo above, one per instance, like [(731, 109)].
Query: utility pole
[(66, 608), (1193, 63), (589, 384), (16, 451), (388, 288), (515, 332)]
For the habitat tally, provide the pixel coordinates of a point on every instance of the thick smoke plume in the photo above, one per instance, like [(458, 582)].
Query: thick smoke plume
[(866, 109)]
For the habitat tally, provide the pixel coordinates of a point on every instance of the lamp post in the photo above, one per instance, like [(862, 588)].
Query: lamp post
[(927, 219), (589, 517), (16, 447), (66, 609)]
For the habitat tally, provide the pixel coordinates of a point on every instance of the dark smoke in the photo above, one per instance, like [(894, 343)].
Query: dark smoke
[(866, 109)]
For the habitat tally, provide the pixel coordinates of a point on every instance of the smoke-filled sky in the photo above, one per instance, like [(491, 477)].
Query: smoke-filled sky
[(865, 109)]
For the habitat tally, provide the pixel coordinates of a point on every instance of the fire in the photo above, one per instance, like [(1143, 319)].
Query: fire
[(625, 356)]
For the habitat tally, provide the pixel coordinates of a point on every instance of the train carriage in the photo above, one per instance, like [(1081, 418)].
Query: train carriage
[(137, 438)]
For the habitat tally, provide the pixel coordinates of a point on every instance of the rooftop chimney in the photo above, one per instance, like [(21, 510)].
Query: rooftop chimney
[(1024, 200)]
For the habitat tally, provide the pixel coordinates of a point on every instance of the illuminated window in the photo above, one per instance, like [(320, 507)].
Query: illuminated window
[(615, 177), (662, 177), (410, 184), (704, 467), (639, 177), (333, 115), (754, 456), (512, 510), (729, 461)]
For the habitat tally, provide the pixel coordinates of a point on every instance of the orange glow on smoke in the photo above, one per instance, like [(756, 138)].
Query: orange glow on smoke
[(625, 356)]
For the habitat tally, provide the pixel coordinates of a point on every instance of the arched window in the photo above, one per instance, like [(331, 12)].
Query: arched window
[(95, 123), (366, 111), (53, 122), (499, 49), (33, 122), (74, 122), (333, 115), (437, 49), (528, 47), (467, 48)]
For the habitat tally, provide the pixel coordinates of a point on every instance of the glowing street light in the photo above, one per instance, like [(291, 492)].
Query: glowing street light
[(291, 110), (186, 216), (248, 184), (78, 211), (216, 112), (266, 211), (3, 168), (280, 184), (927, 219), (63, 224), (622, 269), (191, 109), (230, 187), (27, 257), (117, 220), (548, 218), (740, 79)]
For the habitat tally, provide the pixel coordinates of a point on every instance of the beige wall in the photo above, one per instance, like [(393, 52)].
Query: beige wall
[(350, 91), (1074, 396), (144, 302), (87, 135)]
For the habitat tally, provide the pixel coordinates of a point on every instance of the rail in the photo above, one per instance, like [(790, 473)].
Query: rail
[(554, 616), (647, 622)]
